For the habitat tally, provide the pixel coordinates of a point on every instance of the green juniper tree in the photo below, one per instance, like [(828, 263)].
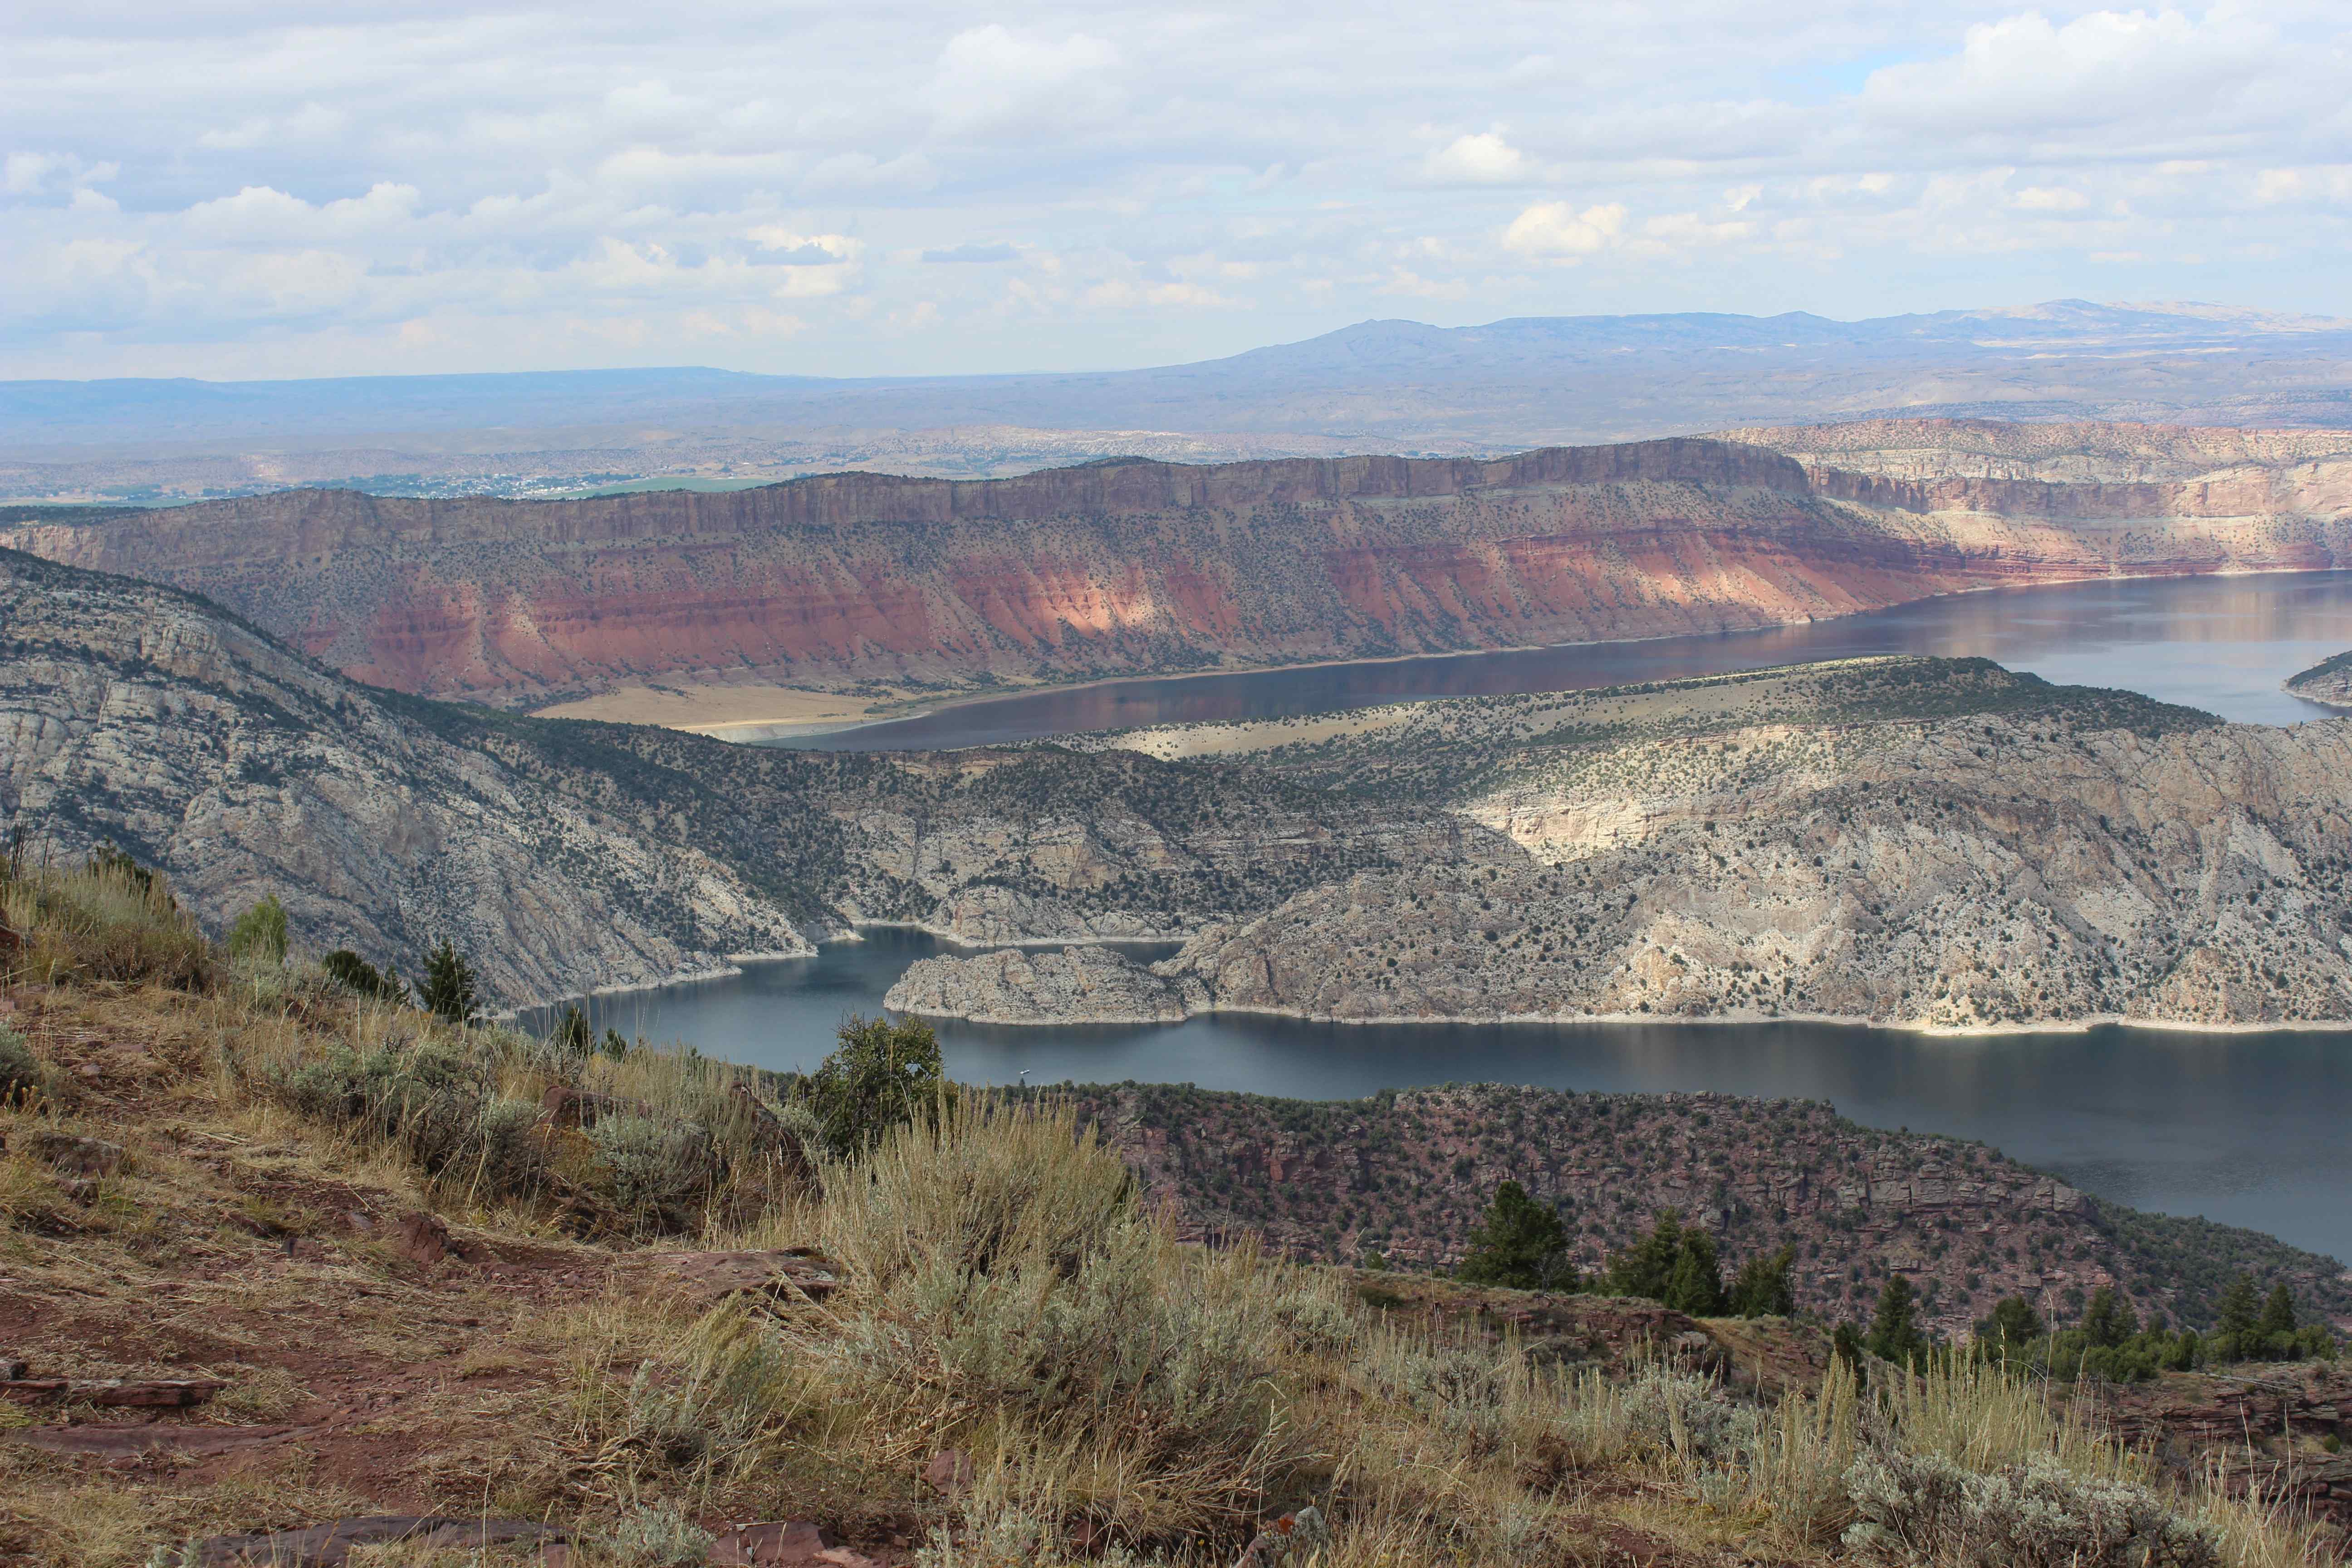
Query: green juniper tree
[(356, 973), (2012, 1330), (573, 1036), (882, 1076), (2236, 1320), (1675, 1264), (1519, 1242), (448, 988), (1762, 1289), (1895, 1333)]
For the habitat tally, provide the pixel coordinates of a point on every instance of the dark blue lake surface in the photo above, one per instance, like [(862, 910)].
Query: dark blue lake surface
[(2223, 643), (2246, 1129), (2252, 1130)]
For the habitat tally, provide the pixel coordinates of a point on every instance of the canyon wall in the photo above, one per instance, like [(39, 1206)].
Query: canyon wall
[(1135, 566)]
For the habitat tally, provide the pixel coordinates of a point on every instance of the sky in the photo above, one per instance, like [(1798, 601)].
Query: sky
[(241, 188)]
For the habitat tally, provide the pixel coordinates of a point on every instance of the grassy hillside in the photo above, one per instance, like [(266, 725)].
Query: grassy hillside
[(359, 1261)]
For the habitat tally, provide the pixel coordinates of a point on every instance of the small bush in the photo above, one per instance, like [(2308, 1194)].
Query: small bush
[(883, 1076), (356, 974), (258, 936), (660, 1176), (650, 1537), (110, 920), (20, 1071), (1925, 1510)]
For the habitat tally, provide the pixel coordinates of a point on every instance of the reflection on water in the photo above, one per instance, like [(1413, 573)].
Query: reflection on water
[(2246, 1129), (2223, 643)]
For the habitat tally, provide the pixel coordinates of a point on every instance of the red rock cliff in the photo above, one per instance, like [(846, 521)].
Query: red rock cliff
[(1137, 566)]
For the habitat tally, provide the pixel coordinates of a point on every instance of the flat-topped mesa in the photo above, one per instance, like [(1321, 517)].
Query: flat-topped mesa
[(1135, 566)]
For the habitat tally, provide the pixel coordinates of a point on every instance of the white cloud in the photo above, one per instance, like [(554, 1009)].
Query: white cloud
[(1484, 159), (1556, 230), (993, 80), (2051, 199), (2026, 73), (466, 185)]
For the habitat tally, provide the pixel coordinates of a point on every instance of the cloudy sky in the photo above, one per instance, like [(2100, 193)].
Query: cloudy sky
[(234, 188)]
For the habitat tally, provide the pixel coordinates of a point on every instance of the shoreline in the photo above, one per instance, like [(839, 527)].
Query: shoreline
[(1612, 1020)]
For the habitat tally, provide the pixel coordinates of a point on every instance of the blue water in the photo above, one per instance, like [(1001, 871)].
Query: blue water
[(2245, 1129)]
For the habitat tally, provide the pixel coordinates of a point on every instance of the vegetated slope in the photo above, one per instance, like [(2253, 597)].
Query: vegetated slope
[(1918, 842), (279, 1258), (564, 855), (2328, 681), (1406, 1174), (1124, 567), (1955, 452)]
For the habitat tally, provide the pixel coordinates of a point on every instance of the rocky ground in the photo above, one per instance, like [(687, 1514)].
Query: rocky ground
[(228, 1328), (1405, 1174)]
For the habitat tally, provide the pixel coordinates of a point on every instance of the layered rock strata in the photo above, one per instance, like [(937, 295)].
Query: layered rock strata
[(1121, 567)]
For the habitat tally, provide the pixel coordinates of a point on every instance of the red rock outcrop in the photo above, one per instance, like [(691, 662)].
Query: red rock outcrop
[(1123, 567)]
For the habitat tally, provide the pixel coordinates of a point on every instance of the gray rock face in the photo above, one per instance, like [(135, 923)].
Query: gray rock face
[(137, 714), (1076, 985), (563, 856), (1790, 844)]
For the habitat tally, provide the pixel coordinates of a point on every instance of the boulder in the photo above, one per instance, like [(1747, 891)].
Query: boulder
[(330, 1545), (422, 1238), (787, 1276)]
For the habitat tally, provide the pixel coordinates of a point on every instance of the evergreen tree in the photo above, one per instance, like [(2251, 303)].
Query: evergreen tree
[(2109, 1321), (1762, 1289), (2278, 1314), (349, 968), (1894, 1332), (2009, 1334), (448, 988), (1696, 1285), (1647, 1267), (573, 1036), (2236, 1326), (613, 1046), (882, 1076), (1846, 1345), (1519, 1242)]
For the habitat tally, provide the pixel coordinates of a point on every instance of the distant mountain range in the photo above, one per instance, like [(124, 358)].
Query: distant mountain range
[(1391, 386)]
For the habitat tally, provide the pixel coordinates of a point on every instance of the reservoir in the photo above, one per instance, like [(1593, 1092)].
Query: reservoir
[(2222, 643), (2243, 1128)]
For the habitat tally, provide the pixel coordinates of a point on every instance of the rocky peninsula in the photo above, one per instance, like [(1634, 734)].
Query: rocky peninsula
[(2328, 682), (1938, 845)]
